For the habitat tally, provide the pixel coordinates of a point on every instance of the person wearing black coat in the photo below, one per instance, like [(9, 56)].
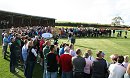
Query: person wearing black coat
[(13, 56)]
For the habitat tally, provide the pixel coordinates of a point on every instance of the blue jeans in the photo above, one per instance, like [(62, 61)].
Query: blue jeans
[(30, 67), (67, 74), (25, 69), (52, 74)]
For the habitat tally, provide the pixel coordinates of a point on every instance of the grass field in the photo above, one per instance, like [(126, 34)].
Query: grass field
[(107, 45)]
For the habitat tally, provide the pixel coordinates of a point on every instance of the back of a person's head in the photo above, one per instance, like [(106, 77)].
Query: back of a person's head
[(52, 47), (30, 43), (48, 43), (67, 44), (12, 39), (98, 53), (64, 44), (71, 46), (5, 35), (120, 59), (86, 55), (89, 52), (78, 51), (114, 57), (126, 58), (25, 41), (66, 49)]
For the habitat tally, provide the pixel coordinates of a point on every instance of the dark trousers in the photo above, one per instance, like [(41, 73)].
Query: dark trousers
[(87, 75), (12, 65), (30, 66), (4, 51), (78, 74)]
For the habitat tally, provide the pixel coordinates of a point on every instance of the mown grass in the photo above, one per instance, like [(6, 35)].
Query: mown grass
[(107, 45)]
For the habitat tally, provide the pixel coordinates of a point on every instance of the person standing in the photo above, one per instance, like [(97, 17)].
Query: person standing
[(72, 52), (24, 55), (78, 65), (66, 64), (73, 40), (12, 56), (90, 55), (117, 70), (42, 41), (52, 63), (31, 59), (99, 66), (88, 67), (61, 51), (46, 50), (5, 45)]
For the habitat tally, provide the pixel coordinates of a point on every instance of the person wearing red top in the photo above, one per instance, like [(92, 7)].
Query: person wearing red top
[(66, 63), (42, 41)]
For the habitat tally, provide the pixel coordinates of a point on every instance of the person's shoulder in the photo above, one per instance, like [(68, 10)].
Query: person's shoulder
[(74, 57)]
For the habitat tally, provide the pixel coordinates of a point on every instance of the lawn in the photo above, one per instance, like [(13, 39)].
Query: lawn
[(107, 45)]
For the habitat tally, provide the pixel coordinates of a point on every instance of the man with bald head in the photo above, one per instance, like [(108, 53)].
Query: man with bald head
[(66, 63)]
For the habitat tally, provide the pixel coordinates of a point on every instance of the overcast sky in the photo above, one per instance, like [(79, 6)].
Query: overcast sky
[(90, 11)]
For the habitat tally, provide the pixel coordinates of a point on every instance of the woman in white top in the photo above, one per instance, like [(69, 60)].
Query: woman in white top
[(87, 68), (72, 52), (126, 61), (117, 70)]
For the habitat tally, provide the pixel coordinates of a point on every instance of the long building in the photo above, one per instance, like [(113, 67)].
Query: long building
[(9, 19)]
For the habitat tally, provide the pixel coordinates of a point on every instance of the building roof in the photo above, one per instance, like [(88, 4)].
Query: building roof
[(21, 15)]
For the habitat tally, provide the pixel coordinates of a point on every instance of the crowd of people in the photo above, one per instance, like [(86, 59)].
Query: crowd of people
[(59, 61)]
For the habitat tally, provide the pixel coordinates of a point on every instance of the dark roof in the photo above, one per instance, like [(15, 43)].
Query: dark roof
[(20, 14)]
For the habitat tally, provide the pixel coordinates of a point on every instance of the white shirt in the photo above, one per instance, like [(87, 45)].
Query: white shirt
[(116, 71), (88, 66), (125, 64), (91, 58), (34, 52), (72, 53)]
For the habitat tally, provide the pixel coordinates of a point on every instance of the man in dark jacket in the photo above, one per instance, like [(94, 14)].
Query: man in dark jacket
[(99, 66), (78, 64), (12, 56), (52, 63)]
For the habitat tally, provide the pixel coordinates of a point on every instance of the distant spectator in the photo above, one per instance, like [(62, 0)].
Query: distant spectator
[(78, 64), (66, 64), (126, 61), (3, 34), (12, 56), (117, 70), (73, 40), (5, 45)]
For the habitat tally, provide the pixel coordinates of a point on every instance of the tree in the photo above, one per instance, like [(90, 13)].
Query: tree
[(116, 21)]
